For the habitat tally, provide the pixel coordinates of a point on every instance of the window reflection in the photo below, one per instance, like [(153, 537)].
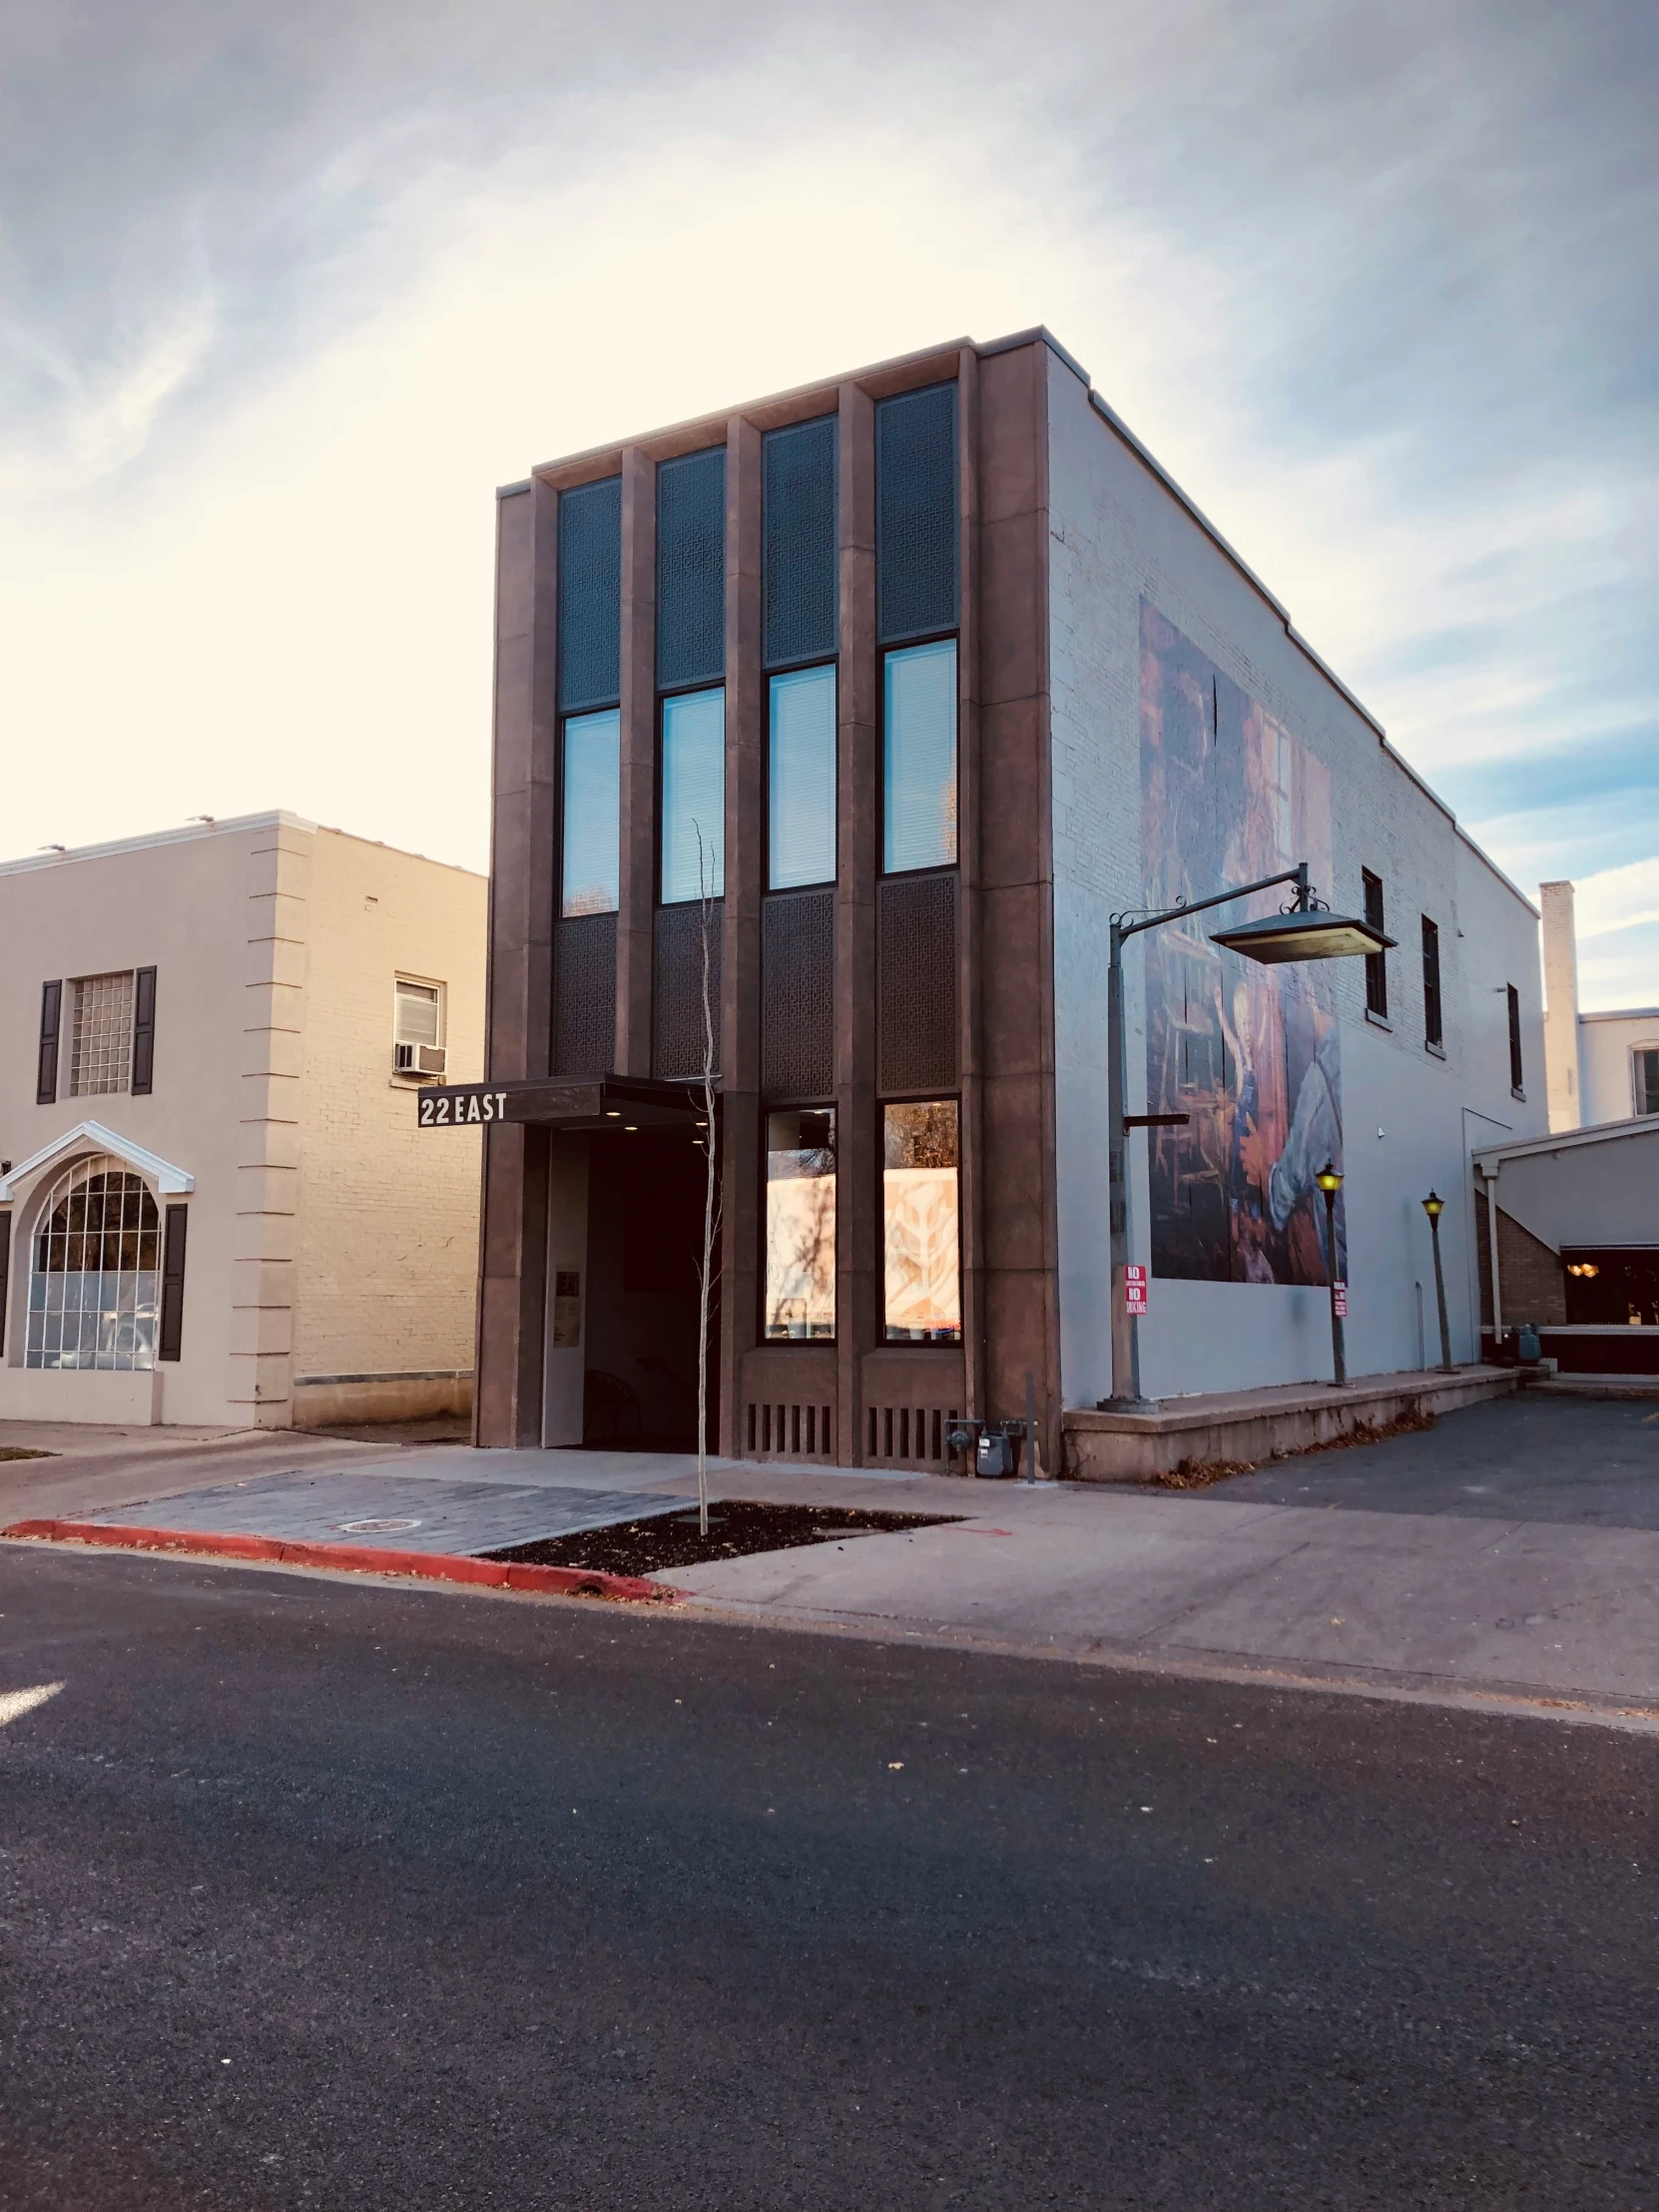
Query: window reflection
[(801, 781), (694, 795), (592, 813), (918, 781), (800, 1225), (920, 1215)]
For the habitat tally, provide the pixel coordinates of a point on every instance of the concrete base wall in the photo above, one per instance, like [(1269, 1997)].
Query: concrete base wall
[(384, 1398), (81, 1395), (1260, 1424)]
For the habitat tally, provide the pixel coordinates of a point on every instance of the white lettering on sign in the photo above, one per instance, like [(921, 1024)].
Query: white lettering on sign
[(1134, 1290), (1339, 1300), (449, 1109)]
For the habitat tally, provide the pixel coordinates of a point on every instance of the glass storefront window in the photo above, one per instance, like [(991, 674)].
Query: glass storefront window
[(920, 1213), (800, 1225), (801, 780), (918, 774), (590, 868), (694, 796)]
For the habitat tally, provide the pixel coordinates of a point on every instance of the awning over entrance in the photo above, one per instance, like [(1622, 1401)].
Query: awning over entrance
[(608, 1102)]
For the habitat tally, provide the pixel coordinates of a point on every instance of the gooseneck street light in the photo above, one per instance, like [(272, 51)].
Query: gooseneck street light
[(1434, 1207), (1331, 1181), (1305, 931)]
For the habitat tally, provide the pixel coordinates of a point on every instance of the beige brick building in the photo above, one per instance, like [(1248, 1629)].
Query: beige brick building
[(215, 1206)]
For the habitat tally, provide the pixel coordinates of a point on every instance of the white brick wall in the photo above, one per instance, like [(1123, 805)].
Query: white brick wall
[(1118, 534)]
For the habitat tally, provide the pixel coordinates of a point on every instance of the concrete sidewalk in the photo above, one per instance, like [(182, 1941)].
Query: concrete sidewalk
[(1475, 1561)]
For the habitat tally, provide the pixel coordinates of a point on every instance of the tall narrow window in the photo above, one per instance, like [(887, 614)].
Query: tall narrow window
[(51, 1014), (1377, 972), (1645, 1069), (691, 570), (590, 595), (1517, 1073), (798, 551), (801, 780), (923, 1268), (800, 1225), (918, 780), (590, 875), (1433, 1032), (694, 796), (915, 513)]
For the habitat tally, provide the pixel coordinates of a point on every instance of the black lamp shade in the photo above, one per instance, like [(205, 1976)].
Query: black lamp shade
[(1303, 934)]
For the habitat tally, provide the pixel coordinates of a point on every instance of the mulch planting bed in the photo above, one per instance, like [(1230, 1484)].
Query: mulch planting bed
[(735, 1526)]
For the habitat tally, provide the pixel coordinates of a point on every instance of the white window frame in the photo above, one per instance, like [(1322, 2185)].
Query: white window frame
[(414, 1073)]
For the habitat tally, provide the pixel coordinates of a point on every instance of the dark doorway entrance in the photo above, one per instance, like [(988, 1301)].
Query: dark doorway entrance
[(644, 1242)]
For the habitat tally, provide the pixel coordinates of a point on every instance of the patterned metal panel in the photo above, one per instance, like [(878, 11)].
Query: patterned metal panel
[(915, 513), (583, 995), (915, 929), (676, 996), (691, 570), (798, 564), (797, 995), (590, 596)]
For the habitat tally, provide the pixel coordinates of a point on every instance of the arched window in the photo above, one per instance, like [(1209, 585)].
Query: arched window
[(96, 1274)]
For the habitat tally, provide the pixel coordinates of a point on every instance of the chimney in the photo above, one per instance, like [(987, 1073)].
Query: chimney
[(1561, 1006)]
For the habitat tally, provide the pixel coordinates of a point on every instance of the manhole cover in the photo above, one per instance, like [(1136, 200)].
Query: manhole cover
[(393, 1525)]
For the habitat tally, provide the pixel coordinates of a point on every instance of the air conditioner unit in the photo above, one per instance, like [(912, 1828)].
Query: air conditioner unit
[(404, 1059), (417, 1059), (432, 1059)]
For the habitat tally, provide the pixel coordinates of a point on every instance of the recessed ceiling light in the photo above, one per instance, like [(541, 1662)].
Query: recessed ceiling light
[(631, 1125), (613, 1113)]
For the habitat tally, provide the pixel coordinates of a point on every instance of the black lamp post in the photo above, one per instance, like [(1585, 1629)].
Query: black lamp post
[(1434, 1207), (1305, 931), (1330, 1182)]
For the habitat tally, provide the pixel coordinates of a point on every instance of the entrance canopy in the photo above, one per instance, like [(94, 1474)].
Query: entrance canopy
[(612, 1102)]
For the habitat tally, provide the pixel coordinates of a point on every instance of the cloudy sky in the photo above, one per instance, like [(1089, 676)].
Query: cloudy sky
[(284, 292)]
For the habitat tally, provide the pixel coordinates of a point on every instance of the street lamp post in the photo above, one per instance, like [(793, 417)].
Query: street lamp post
[(1306, 930), (1331, 1181), (1434, 1207)]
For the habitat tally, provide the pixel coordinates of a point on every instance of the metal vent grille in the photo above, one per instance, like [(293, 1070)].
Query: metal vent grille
[(788, 1431), (798, 566), (590, 596), (913, 1435), (691, 570), (583, 995), (797, 995), (677, 999), (915, 927), (915, 513)]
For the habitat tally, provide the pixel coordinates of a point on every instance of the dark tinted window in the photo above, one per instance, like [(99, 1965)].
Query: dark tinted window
[(1431, 1029), (915, 513), (691, 570), (590, 595), (1376, 969), (1517, 1073), (799, 565)]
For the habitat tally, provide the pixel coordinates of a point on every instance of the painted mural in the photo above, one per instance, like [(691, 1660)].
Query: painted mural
[(1249, 1052)]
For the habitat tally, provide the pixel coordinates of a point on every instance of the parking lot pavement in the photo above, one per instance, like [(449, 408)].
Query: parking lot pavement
[(1593, 1463)]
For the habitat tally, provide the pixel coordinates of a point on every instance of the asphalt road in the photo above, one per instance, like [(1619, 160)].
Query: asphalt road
[(322, 1895), (1593, 1463)]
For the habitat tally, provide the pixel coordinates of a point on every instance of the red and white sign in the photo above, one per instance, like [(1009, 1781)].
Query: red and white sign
[(1339, 1300), (1134, 1290)]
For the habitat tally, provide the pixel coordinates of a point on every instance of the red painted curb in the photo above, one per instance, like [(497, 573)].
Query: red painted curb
[(423, 1566)]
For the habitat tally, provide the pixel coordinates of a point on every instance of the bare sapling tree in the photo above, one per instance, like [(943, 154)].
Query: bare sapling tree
[(711, 1191)]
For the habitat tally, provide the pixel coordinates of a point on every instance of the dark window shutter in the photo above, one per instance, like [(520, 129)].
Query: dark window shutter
[(1517, 1073), (1431, 1027), (173, 1284), (5, 1269), (51, 1010), (144, 1030), (1376, 963)]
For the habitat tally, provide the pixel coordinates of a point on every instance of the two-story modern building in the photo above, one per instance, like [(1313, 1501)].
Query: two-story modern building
[(215, 1205), (871, 702)]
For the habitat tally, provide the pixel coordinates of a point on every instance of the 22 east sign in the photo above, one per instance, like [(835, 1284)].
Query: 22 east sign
[(461, 1103)]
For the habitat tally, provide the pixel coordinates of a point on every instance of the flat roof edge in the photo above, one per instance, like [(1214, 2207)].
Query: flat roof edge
[(185, 834), (1569, 1140)]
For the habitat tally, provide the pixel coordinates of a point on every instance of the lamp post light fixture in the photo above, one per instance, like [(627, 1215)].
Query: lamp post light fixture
[(1305, 931), (1330, 1182), (1434, 1207)]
